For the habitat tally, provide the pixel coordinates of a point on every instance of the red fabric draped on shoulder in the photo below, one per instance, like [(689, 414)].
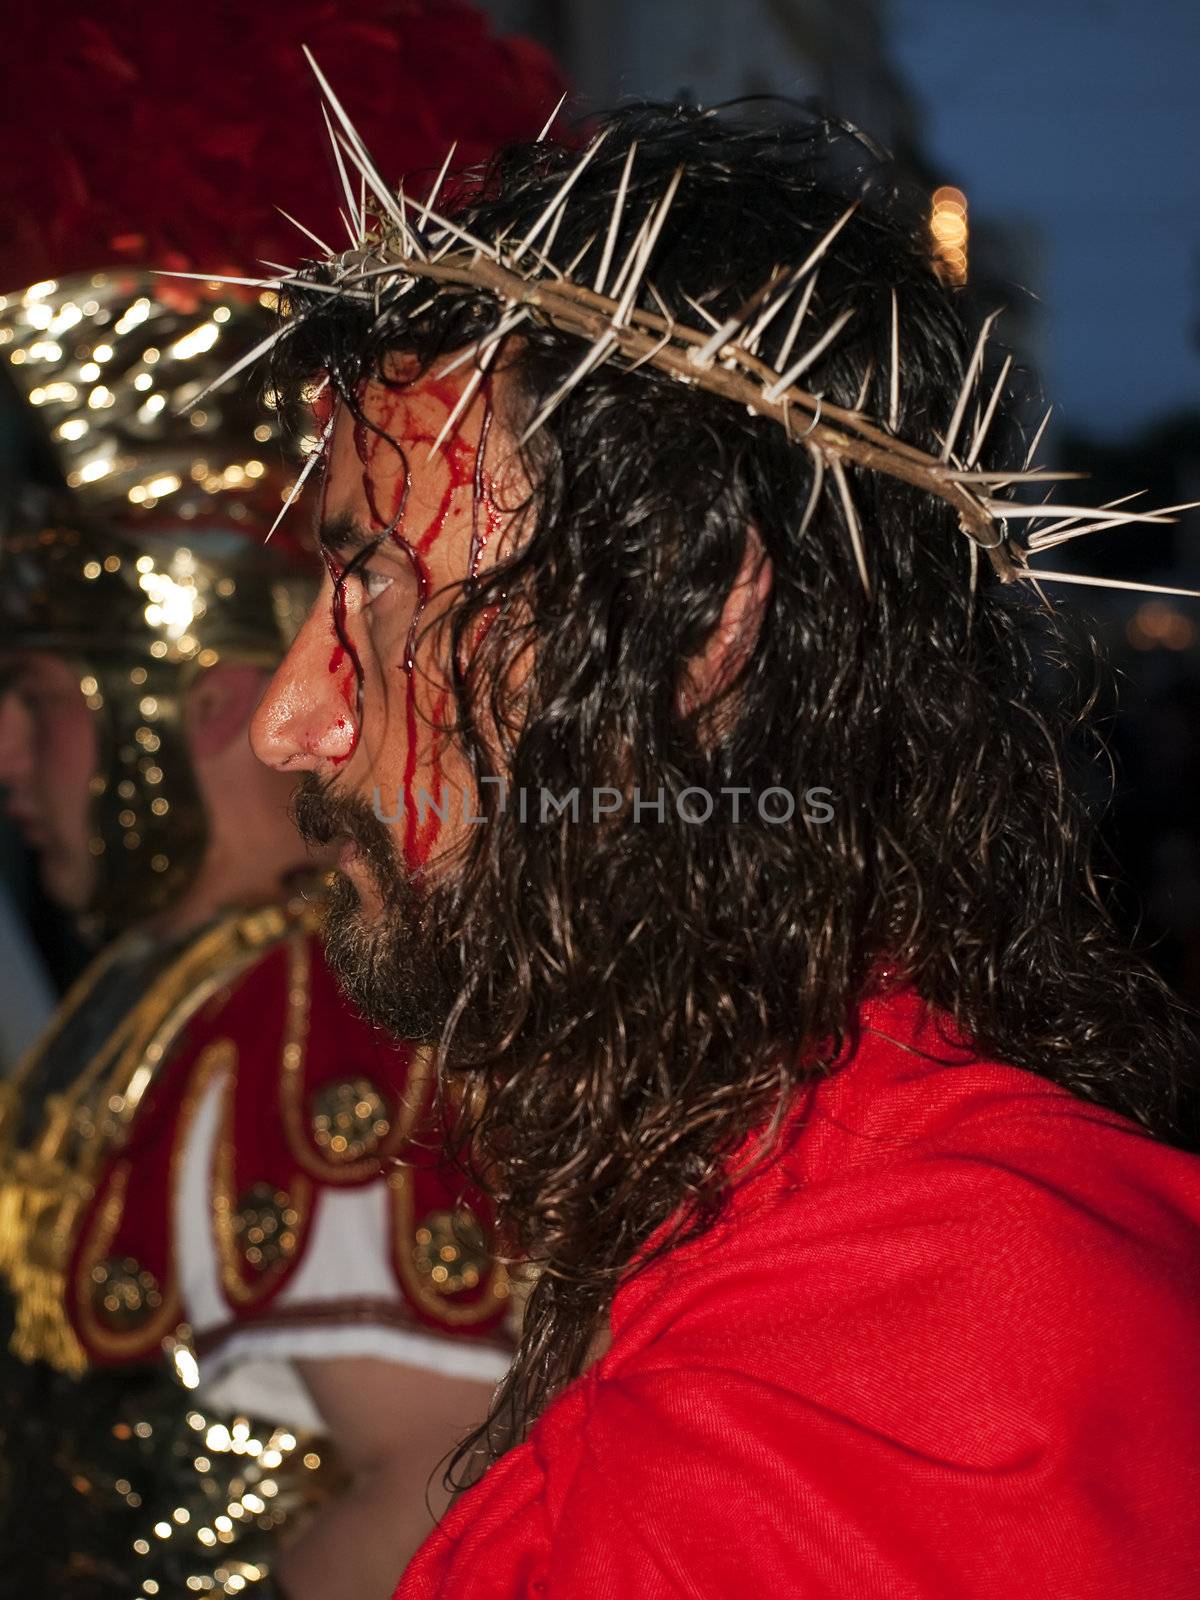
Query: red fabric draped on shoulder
[(946, 1342)]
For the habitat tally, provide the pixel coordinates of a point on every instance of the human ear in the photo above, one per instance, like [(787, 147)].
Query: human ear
[(732, 641), (219, 707)]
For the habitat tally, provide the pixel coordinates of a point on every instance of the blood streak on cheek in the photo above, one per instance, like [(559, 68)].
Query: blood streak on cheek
[(463, 469), (463, 465), (388, 520), (350, 688), (482, 504), (344, 658), (483, 627)]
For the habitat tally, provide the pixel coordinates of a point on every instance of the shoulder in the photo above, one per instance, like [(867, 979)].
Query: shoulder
[(326, 1128), (937, 1240), (281, 1148), (948, 1333), (943, 1340)]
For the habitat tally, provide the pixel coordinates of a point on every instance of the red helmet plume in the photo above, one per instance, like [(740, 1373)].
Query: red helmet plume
[(168, 137)]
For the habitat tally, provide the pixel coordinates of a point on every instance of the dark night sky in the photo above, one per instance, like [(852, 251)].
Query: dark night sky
[(1080, 118)]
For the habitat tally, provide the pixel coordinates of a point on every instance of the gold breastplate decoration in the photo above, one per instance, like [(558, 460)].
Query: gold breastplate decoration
[(48, 1184)]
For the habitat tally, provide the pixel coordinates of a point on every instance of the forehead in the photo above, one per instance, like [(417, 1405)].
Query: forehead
[(407, 460)]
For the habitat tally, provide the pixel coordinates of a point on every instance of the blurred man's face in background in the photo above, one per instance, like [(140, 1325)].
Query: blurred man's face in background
[(48, 753)]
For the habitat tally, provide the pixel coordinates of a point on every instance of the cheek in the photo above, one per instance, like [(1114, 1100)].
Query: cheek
[(407, 707), (68, 756), (446, 522), (344, 667), (417, 702)]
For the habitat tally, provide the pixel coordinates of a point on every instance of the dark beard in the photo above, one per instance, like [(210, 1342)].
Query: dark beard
[(393, 967)]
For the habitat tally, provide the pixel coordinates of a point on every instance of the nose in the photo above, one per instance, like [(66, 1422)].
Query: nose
[(307, 721), (16, 740)]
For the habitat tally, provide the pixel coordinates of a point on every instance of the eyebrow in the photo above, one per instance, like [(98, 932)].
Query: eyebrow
[(342, 535)]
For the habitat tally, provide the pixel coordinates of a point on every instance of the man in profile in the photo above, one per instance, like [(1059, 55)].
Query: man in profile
[(848, 1146)]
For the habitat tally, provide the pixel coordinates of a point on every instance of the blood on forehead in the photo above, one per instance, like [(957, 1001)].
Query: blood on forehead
[(429, 501), (425, 485), (436, 506)]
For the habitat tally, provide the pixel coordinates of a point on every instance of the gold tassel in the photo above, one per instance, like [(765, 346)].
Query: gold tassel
[(39, 1207), (10, 1227), (42, 1332)]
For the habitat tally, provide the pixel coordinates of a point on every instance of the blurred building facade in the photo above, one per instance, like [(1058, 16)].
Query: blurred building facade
[(712, 50), (838, 52)]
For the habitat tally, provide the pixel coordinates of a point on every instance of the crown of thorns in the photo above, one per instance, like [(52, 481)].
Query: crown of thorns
[(399, 248)]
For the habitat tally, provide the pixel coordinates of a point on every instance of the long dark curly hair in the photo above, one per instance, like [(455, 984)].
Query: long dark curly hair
[(635, 996)]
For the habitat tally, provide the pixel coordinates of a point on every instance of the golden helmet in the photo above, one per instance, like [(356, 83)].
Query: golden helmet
[(134, 510)]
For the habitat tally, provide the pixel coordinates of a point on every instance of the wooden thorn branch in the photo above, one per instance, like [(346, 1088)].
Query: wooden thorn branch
[(840, 434), (387, 260)]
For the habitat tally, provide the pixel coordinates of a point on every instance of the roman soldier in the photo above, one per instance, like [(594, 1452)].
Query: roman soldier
[(208, 1135), (246, 1309)]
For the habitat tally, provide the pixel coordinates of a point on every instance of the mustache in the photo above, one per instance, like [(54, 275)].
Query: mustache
[(321, 816)]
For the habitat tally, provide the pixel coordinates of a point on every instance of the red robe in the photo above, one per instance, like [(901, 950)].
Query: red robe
[(945, 1345)]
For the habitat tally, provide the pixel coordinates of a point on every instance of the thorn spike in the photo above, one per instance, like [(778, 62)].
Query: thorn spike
[(504, 326), (595, 355), (240, 365), (217, 277), (615, 220), (308, 233), (704, 354), (1039, 574), (964, 394), (463, 401), (560, 195), (423, 219), (357, 151), (1015, 508), (659, 217), (1062, 532), (569, 271), (702, 311), (847, 499), (794, 329), (866, 384), (809, 356), (552, 118), (462, 235), (303, 476), (1037, 438), (548, 242), (344, 176), (814, 496), (776, 306), (819, 250), (985, 422)]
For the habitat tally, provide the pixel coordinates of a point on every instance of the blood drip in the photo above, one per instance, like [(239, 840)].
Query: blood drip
[(343, 651), (464, 465), (350, 687), (482, 498)]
